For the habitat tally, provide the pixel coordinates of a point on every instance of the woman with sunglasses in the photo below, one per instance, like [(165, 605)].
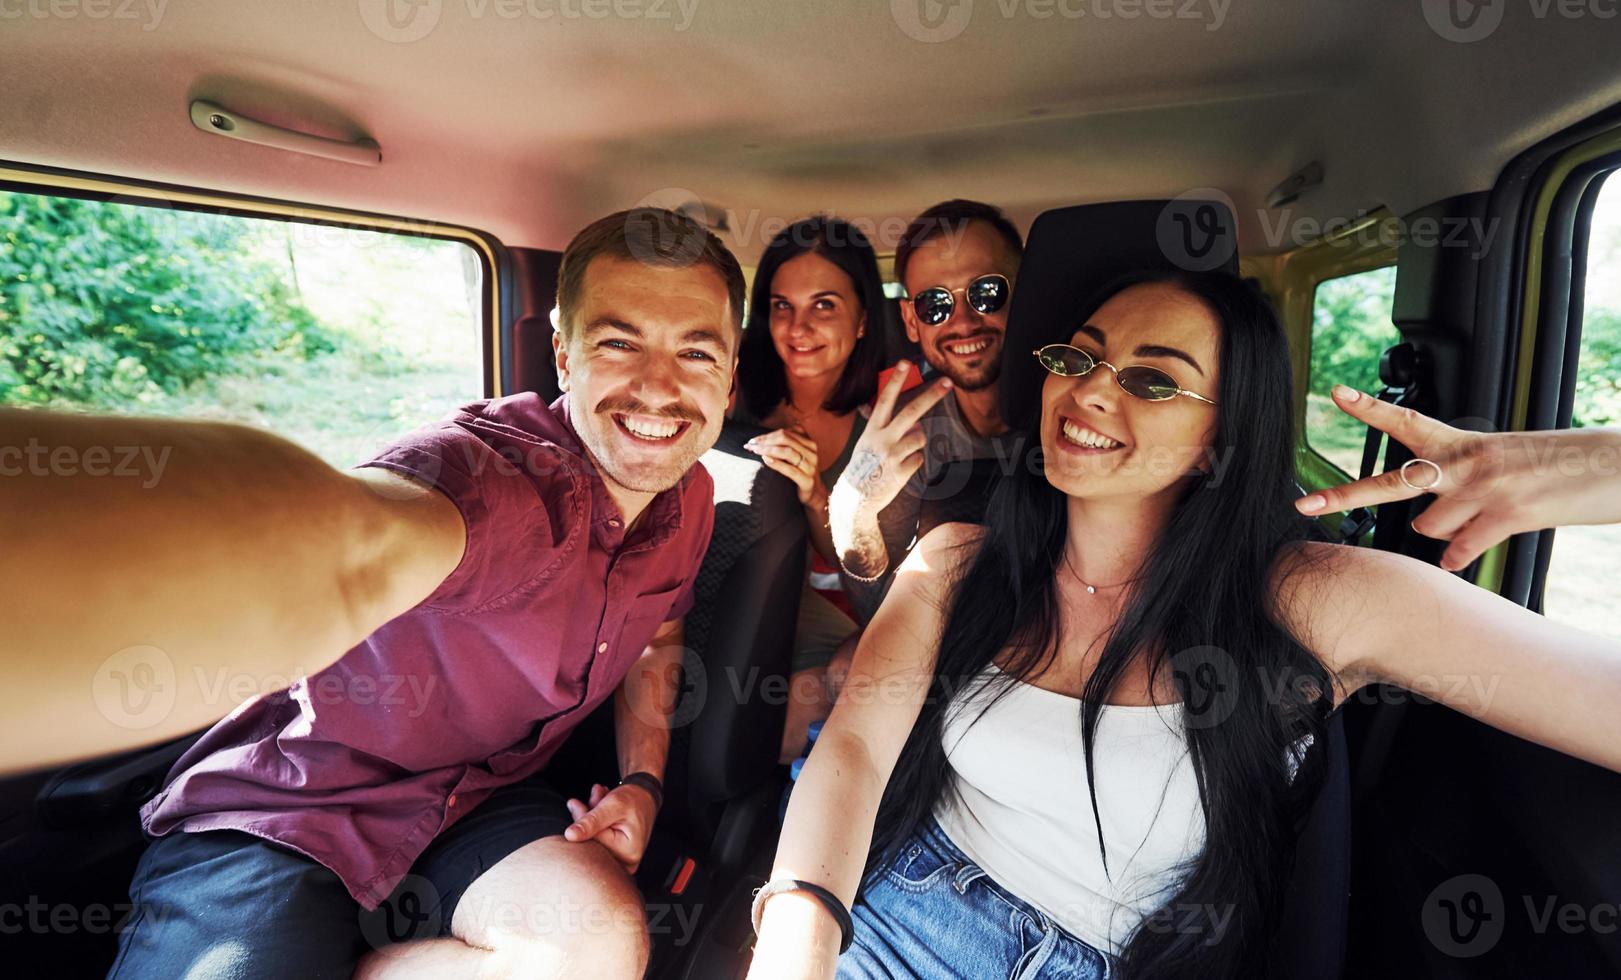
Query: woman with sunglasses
[(1077, 739), (812, 348)]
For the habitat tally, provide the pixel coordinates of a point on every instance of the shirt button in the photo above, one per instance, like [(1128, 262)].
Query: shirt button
[(451, 801), (614, 522), (602, 648)]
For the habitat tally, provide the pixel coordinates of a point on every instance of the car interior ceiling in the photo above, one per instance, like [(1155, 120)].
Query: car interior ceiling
[(515, 134)]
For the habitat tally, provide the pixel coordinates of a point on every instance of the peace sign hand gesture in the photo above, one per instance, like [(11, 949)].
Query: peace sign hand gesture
[(891, 448), (1488, 486)]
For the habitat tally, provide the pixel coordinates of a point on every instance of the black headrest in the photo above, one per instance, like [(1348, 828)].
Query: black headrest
[(1074, 252)]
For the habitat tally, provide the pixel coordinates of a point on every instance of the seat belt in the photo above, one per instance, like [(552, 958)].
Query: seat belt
[(1400, 368)]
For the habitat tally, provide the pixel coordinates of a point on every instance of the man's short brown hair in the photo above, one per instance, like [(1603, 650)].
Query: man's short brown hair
[(953, 216), (656, 236)]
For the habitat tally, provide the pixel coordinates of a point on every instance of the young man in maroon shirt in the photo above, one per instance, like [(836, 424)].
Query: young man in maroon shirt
[(514, 566)]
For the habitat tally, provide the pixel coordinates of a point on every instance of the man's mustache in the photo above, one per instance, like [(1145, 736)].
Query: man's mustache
[(680, 413), (976, 335)]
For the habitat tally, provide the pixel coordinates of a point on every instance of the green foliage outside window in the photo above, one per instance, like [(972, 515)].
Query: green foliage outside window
[(1350, 328), (107, 305), (1598, 382)]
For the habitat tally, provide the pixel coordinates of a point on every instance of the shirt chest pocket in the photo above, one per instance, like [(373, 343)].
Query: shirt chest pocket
[(643, 618), (616, 653)]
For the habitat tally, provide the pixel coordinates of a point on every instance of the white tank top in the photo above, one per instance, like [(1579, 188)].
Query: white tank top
[(1021, 810)]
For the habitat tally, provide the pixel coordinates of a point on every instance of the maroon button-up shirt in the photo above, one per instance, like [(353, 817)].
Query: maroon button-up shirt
[(361, 765)]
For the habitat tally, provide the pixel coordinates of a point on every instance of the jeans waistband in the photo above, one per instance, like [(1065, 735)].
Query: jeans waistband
[(932, 836)]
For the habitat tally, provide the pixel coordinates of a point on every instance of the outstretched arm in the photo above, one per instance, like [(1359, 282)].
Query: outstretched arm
[(1382, 617), (231, 553), (828, 829)]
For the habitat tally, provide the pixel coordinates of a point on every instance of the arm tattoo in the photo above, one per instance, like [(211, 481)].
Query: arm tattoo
[(865, 471)]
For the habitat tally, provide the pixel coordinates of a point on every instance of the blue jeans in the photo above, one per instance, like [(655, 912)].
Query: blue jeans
[(931, 912)]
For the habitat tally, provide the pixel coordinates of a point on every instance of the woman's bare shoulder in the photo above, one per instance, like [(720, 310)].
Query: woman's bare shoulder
[(1329, 595)]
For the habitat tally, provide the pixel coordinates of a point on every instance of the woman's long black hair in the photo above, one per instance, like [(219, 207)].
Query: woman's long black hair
[(1204, 608), (760, 371)]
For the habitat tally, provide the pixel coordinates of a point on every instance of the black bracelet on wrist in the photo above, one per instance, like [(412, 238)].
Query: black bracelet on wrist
[(830, 901), (649, 782)]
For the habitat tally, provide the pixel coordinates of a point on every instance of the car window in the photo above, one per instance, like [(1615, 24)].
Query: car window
[(1586, 561), (1350, 328), (338, 338)]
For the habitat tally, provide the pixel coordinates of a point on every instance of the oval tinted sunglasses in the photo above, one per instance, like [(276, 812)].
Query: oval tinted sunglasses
[(987, 294), (1149, 384)]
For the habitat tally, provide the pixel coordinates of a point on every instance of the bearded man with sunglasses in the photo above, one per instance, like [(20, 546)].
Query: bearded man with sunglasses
[(914, 466)]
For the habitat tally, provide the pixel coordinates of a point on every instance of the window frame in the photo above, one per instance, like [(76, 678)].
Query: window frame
[(1311, 339), (1548, 352), (1291, 279)]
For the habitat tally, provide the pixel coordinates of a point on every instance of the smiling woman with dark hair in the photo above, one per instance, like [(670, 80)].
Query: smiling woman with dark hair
[(809, 362), (1080, 738)]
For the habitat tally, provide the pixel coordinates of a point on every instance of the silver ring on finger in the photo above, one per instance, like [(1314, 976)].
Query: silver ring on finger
[(799, 459), (1402, 473)]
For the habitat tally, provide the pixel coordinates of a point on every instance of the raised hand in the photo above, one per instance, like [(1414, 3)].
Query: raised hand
[(791, 452), (891, 448), (1488, 486)]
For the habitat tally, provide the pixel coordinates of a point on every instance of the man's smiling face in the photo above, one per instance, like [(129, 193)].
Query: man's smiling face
[(648, 362), (967, 347)]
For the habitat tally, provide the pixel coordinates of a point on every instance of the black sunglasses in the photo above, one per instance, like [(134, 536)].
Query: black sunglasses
[(1150, 384), (987, 294)]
